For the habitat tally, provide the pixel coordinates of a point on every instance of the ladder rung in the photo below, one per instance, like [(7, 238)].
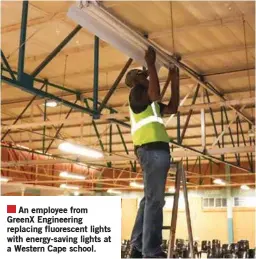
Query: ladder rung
[(166, 227), (169, 194)]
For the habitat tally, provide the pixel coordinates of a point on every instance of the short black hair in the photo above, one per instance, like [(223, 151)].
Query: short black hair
[(132, 74), (137, 95)]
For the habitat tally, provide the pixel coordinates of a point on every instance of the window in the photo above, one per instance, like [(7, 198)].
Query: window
[(218, 202), (206, 203), (224, 202), (211, 202), (245, 202), (236, 201), (214, 202)]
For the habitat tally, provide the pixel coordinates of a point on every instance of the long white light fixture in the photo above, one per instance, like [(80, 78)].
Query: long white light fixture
[(113, 191), (137, 185), (4, 179), (245, 187), (219, 181), (71, 187), (65, 174), (80, 150), (97, 20)]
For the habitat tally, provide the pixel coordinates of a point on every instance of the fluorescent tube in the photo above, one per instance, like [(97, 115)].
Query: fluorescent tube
[(137, 185), (72, 187), (51, 104), (219, 181), (71, 176), (113, 191), (171, 189), (245, 187), (4, 179), (79, 150)]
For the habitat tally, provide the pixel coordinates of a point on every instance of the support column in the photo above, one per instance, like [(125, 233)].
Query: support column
[(229, 207)]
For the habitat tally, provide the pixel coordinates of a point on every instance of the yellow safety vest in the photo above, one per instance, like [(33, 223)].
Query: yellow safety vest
[(148, 126)]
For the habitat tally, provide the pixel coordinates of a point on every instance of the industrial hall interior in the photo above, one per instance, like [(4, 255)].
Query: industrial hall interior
[(72, 74)]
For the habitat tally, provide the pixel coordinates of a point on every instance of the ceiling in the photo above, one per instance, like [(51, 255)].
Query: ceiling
[(215, 39)]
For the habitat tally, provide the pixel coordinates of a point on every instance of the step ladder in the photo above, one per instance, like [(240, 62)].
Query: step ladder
[(180, 178)]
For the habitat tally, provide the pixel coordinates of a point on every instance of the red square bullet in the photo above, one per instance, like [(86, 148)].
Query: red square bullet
[(11, 208)]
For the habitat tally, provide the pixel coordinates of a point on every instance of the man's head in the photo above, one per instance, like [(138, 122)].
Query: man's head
[(137, 77)]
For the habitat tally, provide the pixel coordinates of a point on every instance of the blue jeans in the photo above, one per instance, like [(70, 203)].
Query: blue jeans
[(147, 232)]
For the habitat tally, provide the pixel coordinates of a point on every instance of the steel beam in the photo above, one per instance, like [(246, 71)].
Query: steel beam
[(189, 114), (45, 116), (207, 156), (209, 105), (168, 61), (23, 33), (203, 128), (20, 115), (227, 127), (167, 82), (8, 68), (237, 138), (242, 132), (110, 141), (222, 130), (125, 147), (39, 153), (47, 60), (195, 107), (180, 105), (59, 129), (39, 92), (197, 78), (97, 133), (96, 76), (114, 86), (230, 132), (179, 139), (212, 116)]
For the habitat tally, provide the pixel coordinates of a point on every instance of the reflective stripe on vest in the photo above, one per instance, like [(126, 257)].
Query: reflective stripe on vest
[(153, 118)]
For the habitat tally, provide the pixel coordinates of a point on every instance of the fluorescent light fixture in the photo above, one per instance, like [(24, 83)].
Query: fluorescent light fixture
[(219, 181), (137, 185), (171, 189), (72, 187), (51, 103), (97, 20), (4, 179), (245, 187), (72, 176), (113, 191), (80, 150)]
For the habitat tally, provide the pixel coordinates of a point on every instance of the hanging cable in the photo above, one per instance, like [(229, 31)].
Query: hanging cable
[(64, 81), (172, 28), (33, 34), (247, 62)]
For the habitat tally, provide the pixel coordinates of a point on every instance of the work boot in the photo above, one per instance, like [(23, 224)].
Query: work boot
[(134, 253)]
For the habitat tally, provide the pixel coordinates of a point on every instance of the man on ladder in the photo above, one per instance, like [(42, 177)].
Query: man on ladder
[(151, 143)]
